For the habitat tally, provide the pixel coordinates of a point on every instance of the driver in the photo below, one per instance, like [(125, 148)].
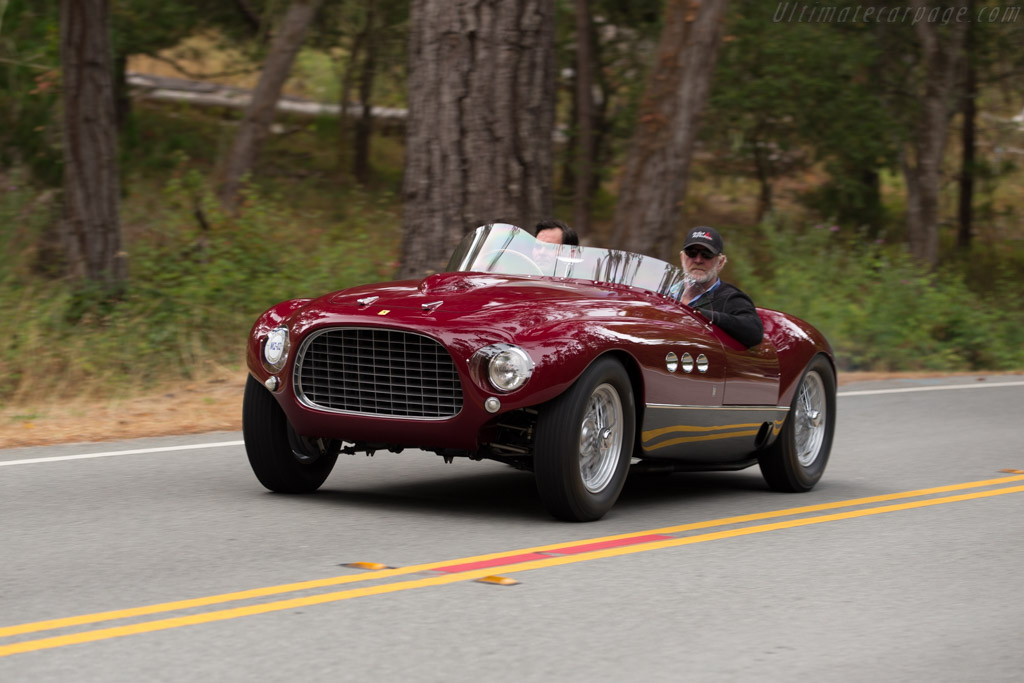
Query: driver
[(722, 303), (550, 235), (554, 231)]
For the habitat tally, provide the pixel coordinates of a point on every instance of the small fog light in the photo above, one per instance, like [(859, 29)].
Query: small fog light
[(272, 383), (492, 405)]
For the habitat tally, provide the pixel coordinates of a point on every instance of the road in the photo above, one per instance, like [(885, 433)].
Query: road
[(164, 560)]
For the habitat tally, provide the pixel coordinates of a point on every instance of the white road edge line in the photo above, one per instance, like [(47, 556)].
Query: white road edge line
[(222, 444), (979, 385), (135, 451)]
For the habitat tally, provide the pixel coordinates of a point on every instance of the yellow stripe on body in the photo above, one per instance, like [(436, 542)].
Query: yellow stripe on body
[(693, 439), (655, 433)]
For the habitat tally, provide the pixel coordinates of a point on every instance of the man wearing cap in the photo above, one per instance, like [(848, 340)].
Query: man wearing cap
[(721, 303)]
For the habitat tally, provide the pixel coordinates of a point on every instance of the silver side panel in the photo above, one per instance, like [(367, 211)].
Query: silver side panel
[(708, 434)]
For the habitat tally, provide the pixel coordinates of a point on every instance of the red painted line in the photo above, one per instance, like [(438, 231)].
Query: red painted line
[(567, 550), (614, 543), (495, 562)]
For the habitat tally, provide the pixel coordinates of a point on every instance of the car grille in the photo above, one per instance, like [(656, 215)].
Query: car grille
[(378, 372)]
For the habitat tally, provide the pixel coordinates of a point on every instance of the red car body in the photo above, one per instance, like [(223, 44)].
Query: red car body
[(717, 406)]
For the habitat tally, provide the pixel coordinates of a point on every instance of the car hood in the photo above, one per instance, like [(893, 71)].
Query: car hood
[(461, 293), (475, 305)]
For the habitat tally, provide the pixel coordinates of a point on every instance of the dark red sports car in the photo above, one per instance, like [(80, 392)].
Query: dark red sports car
[(572, 362)]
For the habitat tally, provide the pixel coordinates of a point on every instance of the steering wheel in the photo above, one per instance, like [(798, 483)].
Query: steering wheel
[(537, 270)]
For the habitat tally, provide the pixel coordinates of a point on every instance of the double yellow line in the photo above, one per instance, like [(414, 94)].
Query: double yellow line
[(493, 562)]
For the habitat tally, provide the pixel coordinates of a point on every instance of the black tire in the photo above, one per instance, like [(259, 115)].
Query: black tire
[(797, 459), (579, 467), (283, 461)]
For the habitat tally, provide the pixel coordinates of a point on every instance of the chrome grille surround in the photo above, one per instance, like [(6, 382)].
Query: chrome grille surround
[(377, 371)]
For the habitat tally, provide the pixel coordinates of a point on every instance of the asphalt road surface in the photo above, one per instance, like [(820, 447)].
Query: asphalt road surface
[(165, 560)]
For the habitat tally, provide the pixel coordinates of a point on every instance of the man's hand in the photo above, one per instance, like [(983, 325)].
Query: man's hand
[(691, 290)]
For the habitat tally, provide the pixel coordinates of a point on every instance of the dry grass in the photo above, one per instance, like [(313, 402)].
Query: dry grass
[(213, 404), (186, 407), (200, 55)]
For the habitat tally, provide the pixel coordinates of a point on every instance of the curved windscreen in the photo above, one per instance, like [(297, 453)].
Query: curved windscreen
[(508, 250)]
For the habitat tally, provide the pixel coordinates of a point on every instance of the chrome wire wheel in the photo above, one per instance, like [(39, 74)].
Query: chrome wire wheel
[(796, 460), (810, 419), (601, 438), (583, 443)]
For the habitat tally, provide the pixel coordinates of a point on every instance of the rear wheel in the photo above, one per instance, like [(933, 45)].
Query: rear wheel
[(584, 443), (282, 460), (797, 459)]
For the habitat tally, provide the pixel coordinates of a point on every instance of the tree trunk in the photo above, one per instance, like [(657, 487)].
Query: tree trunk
[(251, 17), (602, 125), (259, 114), (763, 169), (654, 178), (344, 132), (90, 228), (870, 211), (922, 162), (122, 93), (969, 111), (364, 126), (584, 120), (480, 122)]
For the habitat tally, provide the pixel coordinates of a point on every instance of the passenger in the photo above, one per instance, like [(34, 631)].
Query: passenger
[(555, 231), (722, 303)]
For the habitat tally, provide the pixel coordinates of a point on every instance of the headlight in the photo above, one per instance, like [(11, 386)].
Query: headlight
[(275, 348), (509, 368)]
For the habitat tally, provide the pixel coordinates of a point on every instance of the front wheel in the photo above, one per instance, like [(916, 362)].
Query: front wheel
[(584, 443), (282, 460), (797, 459)]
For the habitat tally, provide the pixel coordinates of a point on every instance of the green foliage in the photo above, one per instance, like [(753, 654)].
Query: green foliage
[(343, 25), (144, 27), (624, 38), (194, 291), (879, 309), (156, 139), (787, 95), (29, 88)]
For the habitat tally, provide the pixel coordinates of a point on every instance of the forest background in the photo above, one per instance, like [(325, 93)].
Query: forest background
[(865, 168)]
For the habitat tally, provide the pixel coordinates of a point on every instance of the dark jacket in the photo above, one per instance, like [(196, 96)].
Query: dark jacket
[(733, 311)]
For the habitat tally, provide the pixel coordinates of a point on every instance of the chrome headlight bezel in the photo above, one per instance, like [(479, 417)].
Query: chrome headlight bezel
[(275, 348), (506, 367)]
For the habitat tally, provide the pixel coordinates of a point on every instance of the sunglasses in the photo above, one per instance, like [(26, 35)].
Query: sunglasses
[(694, 252)]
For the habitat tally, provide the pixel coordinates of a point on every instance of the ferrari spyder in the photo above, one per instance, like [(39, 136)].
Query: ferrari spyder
[(577, 364)]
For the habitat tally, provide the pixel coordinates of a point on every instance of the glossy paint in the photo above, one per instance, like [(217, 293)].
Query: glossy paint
[(708, 435), (564, 325)]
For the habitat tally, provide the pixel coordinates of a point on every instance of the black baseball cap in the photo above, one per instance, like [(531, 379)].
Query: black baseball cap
[(705, 237)]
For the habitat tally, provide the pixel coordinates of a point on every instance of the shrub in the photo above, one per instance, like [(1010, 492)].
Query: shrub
[(195, 289), (878, 308)]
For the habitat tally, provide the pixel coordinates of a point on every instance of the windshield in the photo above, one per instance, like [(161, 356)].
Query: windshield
[(508, 250)]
